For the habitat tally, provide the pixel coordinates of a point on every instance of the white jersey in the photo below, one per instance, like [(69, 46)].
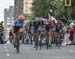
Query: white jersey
[(71, 24)]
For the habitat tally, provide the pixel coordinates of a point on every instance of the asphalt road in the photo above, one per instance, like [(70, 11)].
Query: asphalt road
[(28, 52)]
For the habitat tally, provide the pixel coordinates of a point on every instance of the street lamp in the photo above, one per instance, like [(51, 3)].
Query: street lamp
[(50, 11)]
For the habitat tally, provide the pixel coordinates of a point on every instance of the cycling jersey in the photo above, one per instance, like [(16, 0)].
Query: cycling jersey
[(43, 28), (18, 23), (48, 27), (58, 27), (36, 26)]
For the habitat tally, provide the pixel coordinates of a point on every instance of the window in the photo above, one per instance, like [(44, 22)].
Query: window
[(26, 2), (67, 1), (25, 10), (26, 6)]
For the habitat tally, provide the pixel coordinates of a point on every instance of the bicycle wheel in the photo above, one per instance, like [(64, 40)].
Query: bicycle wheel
[(17, 45), (36, 41), (47, 42), (58, 40)]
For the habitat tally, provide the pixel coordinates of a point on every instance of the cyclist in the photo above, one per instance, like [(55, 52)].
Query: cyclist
[(59, 28), (18, 26), (48, 32), (36, 41), (30, 31)]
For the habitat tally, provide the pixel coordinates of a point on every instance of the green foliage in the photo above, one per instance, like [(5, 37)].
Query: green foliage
[(41, 8)]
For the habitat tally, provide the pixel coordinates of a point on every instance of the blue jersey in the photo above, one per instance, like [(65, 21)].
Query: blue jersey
[(43, 27), (19, 23), (36, 27)]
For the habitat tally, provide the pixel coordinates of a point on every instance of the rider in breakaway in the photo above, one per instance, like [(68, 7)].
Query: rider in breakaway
[(18, 27)]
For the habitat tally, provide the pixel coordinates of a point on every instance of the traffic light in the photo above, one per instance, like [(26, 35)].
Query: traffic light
[(67, 2)]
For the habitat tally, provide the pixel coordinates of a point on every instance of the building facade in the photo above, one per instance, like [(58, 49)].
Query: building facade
[(22, 7), (27, 6), (18, 8), (8, 16)]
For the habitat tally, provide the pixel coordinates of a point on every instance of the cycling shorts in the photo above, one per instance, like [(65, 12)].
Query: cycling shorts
[(16, 29)]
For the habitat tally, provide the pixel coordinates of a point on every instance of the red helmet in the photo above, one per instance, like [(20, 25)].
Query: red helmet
[(59, 21), (49, 21), (21, 17)]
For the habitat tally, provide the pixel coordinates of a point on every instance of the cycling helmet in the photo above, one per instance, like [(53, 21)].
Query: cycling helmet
[(21, 17)]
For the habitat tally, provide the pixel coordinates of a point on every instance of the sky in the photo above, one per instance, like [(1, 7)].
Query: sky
[(5, 4)]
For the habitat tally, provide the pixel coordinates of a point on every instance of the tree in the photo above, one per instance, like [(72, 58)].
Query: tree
[(41, 8)]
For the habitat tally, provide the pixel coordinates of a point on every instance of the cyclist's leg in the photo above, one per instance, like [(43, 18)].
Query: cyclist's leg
[(20, 34), (56, 38), (16, 29), (47, 39), (36, 41), (23, 38), (14, 39), (41, 38), (50, 38)]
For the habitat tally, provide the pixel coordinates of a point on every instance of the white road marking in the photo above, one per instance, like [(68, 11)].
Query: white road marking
[(72, 51), (5, 47), (6, 50), (8, 54), (59, 57)]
